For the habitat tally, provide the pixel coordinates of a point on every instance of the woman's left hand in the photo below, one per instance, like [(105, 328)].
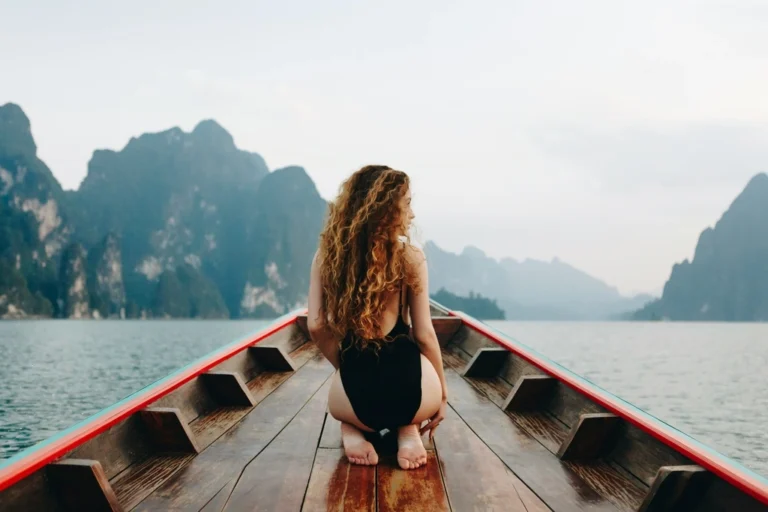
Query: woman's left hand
[(435, 420)]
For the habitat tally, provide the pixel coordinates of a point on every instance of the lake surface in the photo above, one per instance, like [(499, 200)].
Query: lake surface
[(708, 380)]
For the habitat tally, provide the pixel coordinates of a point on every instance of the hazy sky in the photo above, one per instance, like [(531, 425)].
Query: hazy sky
[(607, 133)]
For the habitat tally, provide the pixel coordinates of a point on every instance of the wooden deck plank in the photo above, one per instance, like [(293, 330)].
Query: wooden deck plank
[(199, 481), (304, 353), (139, 480), (542, 427), (415, 489), (619, 488), (277, 479), (624, 492), (337, 485), (213, 425), (218, 502), (491, 486), (550, 478), (539, 424)]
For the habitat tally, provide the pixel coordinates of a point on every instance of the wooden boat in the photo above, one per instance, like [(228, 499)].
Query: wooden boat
[(246, 428)]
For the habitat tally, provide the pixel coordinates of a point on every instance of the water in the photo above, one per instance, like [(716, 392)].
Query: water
[(55, 373), (708, 380)]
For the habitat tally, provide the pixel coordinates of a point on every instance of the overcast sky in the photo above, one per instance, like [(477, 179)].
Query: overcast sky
[(606, 133)]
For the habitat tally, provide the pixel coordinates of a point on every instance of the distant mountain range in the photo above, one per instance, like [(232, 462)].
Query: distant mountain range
[(174, 225), (728, 277), (181, 224), (530, 289)]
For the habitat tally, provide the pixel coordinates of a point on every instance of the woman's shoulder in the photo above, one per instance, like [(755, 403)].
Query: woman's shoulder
[(414, 255)]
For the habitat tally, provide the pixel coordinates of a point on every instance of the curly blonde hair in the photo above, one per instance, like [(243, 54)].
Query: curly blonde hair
[(361, 254)]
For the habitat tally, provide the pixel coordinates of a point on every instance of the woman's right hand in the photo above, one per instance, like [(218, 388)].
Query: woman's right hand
[(435, 420)]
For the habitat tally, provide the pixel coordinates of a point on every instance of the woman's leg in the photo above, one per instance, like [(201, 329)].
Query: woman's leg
[(411, 453), (357, 448)]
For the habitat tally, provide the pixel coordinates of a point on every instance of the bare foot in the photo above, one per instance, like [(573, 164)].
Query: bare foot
[(410, 450), (356, 447)]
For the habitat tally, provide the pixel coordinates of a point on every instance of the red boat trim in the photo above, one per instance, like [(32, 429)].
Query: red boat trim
[(38, 458), (740, 478)]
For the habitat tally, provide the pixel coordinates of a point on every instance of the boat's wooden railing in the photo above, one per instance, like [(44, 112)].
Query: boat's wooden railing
[(592, 416), (160, 420)]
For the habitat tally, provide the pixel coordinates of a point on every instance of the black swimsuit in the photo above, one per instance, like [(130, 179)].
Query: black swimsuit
[(385, 388)]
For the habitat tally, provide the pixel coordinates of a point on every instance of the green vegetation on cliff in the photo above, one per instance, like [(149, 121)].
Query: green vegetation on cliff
[(175, 224), (474, 305)]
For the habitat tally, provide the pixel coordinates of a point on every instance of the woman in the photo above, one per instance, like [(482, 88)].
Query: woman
[(367, 283)]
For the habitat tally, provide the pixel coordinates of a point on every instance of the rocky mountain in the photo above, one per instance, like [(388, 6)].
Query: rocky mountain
[(530, 289), (174, 224), (33, 224), (727, 280)]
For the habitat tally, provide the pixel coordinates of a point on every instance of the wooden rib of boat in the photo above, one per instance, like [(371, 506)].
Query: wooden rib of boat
[(246, 428)]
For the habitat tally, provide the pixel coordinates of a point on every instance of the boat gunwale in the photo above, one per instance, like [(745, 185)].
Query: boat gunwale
[(37, 456), (722, 466)]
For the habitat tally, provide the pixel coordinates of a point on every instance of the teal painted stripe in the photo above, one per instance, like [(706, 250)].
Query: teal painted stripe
[(104, 412), (587, 383)]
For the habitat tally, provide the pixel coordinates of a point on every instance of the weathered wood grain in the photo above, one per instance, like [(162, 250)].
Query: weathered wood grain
[(445, 328), (642, 455), (193, 399), (273, 358), (491, 485), (592, 437), (719, 496), (530, 393), (117, 447), (31, 493), (547, 476), (243, 363), (542, 427), (304, 353), (82, 485), (486, 363), (213, 425), (199, 481), (567, 404), (168, 430), (337, 485), (228, 389), (469, 340), (277, 478), (288, 339), (140, 479), (414, 489), (676, 488)]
